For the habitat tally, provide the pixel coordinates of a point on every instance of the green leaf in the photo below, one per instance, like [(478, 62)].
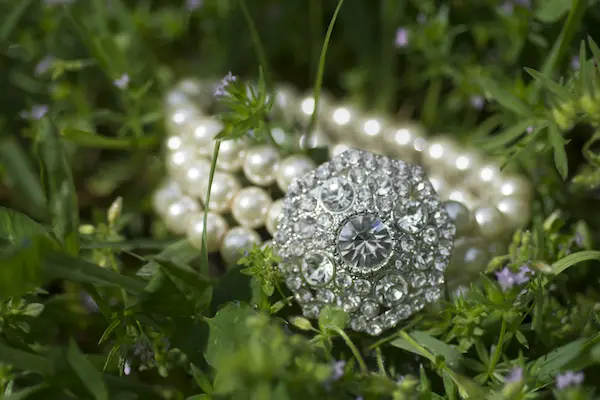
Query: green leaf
[(16, 227), (61, 266), (507, 136), (233, 286), (23, 178), (180, 252), (184, 273), (452, 356), (163, 297), (62, 197), (25, 360), (575, 258), (562, 93), (595, 49), (11, 20), (227, 332), (505, 98), (550, 11), (332, 317), (547, 366), (90, 377), (23, 394), (560, 155), (91, 139)]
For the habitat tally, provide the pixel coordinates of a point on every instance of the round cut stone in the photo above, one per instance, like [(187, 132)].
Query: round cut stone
[(364, 242), (411, 217), (317, 269), (337, 194)]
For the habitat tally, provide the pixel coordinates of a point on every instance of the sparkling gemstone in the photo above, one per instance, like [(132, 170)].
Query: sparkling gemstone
[(418, 280), (358, 175), (343, 280), (385, 203), (395, 293), (370, 309), (359, 323), (353, 156), (362, 286), (364, 242), (401, 265), (430, 235), (323, 172), (306, 227), (408, 243), (423, 260), (310, 180), (411, 217), (391, 318), (402, 188), (364, 196), (308, 203), (326, 296), (312, 310), (324, 220), (317, 269), (349, 302), (304, 296), (294, 282), (374, 329), (433, 294), (383, 185), (337, 194)]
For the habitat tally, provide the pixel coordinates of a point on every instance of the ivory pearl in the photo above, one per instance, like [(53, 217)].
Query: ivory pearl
[(216, 227), (490, 221), (231, 155), (167, 193), (236, 241), (515, 186), (286, 101), (370, 131), (195, 179), (516, 211), (294, 166), (273, 216), (224, 188), (260, 164), (201, 132), (460, 214), (399, 140), (179, 117), (250, 207), (469, 258), (338, 149), (178, 161), (317, 138), (179, 212)]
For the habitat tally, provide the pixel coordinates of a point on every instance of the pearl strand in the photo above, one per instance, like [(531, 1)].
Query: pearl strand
[(486, 205)]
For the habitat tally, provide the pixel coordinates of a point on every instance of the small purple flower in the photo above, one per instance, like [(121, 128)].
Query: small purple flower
[(516, 375), (122, 82), (508, 279), (477, 102), (221, 89), (88, 303), (529, 129), (126, 368), (507, 8), (44, 65), (193, 5), (579, 239), (401, 37), (37, 112), (575, 63), (569, 378), (337, 370)]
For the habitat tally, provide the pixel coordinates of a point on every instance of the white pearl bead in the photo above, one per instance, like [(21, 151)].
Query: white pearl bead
[(231, 155), (516, 210), (176, 99), (195, 178), (167, 193), (466, 161), (178, 161), (307, 107), (489, 221), (399, 140), (515, 186), (250, 207), (236, 241), (224, 188), (370, 130), (216, 227), (317, 138), (440, 185), (179, 212), (339, 119), (469, 258), (286, 100), (294, 166), (260, 164), (201, 133), (179, 117), (192, 87), (338, 149), (463, 196), (273, 216), (440, 155), (481, 179)]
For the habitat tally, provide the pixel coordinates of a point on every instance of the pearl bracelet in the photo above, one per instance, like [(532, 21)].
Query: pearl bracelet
[(486, 205)]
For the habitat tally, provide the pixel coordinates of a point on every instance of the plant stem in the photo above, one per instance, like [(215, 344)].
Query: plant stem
[(387, 82), (321, 70), (498, 350), (213, 167), (258, 47), (380, 364), (353, 348)]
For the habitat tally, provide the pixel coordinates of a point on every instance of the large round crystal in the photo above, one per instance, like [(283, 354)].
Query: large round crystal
[(364, 242), (317, 269), (337, 194)]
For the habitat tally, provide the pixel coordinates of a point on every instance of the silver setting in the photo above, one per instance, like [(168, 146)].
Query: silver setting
[(366, 233)]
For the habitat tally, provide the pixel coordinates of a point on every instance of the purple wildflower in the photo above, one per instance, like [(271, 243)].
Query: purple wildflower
[(575, 63), (529, 129), (477, 102), (88, 303), (44, 65), (507, 8), (569, 378), (579, 241), (193, 5), (221, 89), (508, 279), (337, 370), (516, 375), (122, 82), (401, 37), (126, 368), (37, 112)]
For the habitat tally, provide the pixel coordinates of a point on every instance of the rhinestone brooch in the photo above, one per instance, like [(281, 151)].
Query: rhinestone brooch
[(365, 233)]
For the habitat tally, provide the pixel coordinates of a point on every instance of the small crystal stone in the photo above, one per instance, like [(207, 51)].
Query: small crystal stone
[(410, 217), (364, 242), (306, 227), (433, 294), (343, 280), (324, 220), (318, 270), (312, 310), (353, 156), (304, 296), (294, 283), (383, 185), (325, 296), (402, 188), (385, 203), (423, 260), (408, 243), (362, 286), (418, 280), (359, 323), (370, 309), (349, 302), (337, 194), (374, 329), (323, 172), (358, 175), (308, 203), (430, 235)]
